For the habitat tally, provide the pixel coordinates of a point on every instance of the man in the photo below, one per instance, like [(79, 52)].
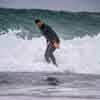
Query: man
[(52, 40)]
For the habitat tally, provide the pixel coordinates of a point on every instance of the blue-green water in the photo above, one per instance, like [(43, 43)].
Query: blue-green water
[(67, 24)]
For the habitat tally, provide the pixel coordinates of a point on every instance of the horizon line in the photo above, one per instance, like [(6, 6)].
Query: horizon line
[(50, 10)]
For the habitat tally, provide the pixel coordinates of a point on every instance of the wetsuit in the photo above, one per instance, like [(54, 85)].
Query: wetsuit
[(50, 36)]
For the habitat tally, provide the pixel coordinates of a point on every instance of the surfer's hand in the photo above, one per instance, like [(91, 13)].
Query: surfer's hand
[(56, 45)]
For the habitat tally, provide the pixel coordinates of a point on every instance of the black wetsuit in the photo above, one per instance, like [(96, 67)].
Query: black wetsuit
[(50, 36)]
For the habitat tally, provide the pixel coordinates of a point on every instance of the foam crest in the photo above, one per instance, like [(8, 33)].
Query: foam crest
[(80, 55)]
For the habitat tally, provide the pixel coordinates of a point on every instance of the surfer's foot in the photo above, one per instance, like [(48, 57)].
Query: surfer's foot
[(56, 65)]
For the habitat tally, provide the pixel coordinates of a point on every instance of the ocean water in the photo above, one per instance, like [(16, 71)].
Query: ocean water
[(68, 25), (24, 74), (68, 86)]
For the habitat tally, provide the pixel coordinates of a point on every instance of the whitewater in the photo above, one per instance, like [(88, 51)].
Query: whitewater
[(78, 55)]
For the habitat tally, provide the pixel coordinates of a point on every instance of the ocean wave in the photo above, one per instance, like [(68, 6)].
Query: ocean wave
[(79, 55), (67, 24)]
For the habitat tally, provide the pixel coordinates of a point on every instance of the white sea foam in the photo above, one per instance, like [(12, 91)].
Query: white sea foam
[(80, 55)]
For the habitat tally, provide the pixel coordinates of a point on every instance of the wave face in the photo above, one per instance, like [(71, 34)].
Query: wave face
[(80, 55), (22, 47), (67, 24)]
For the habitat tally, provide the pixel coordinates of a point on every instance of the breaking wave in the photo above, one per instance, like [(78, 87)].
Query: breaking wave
[(79, 55)]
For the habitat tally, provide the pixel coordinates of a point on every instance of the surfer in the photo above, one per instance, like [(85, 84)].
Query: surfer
[(52, 40)]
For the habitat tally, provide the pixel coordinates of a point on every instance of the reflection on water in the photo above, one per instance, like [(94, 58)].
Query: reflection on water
[(69, 85)]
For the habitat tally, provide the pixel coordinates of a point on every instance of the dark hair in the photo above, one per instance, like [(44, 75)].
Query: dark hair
[(37, 21)]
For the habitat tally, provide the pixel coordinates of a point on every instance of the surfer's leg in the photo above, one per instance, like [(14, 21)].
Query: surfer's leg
[(52, 56), (47, 54)]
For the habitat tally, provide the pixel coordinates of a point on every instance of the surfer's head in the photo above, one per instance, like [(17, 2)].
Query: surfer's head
[(39, 23)]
